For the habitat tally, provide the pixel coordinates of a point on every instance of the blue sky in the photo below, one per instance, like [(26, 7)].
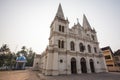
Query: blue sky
[(27, 22)]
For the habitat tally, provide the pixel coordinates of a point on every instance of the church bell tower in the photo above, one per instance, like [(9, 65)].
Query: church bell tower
[(59, 26)]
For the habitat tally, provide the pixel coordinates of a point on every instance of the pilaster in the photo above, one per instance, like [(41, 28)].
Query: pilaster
[(78, 65), (68, 71), (88, 65), (49, 64), (55, 63)]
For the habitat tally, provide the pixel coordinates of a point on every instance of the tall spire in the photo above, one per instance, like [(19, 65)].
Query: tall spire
[(60, 12), (78, 22), (86, 24)]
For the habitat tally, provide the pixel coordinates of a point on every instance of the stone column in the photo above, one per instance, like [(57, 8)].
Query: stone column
[(68, 63), (78, 65), (88, 65), (49, 64), (55, 63)]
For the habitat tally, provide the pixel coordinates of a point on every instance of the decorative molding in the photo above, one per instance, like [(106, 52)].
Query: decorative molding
[(50, 51), (61, 20)]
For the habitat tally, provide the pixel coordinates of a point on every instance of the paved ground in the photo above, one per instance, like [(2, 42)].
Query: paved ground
[(33, 75), (19, 75), (95, 76)]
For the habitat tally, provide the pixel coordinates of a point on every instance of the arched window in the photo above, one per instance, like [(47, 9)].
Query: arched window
[(95, 50), (60, 27), (72, 45), (60, 43), (93, 38), (81, 46), (89, 48)]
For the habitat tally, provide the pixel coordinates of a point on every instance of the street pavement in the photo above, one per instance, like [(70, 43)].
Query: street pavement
[(93, 76), (29, 74)]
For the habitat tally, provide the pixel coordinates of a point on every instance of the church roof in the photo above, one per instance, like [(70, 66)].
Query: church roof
[(117, 52), (107, 48), (60, 12)]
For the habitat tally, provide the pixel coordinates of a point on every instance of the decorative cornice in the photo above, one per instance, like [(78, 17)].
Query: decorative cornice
[(75, 36), (50, 51), (99, 55), (63, 21), (62, 51)]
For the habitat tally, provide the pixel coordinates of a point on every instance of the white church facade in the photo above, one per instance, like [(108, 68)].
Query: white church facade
[(71, 50)]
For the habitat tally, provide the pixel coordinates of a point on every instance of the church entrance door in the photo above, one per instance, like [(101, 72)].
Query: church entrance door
[(92, 66), (73, 66), (83, 65)]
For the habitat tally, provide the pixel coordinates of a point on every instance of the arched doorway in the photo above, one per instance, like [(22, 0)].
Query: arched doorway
[(73, 66), (83, 65), (92, 66)]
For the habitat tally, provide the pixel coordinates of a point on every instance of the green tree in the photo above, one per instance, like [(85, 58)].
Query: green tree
[(5, 48), (23, 51), (2, 57), (30, 57), (6, 57)]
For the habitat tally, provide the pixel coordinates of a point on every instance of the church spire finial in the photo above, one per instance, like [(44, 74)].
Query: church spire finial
[(86, 24), (60, 12), (77, 20)]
